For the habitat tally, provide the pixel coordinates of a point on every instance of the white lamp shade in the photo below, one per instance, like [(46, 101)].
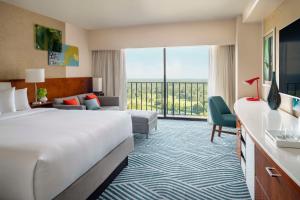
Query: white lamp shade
[(35, 75), (97, 84)]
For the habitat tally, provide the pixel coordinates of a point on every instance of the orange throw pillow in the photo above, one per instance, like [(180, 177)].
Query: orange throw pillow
[(92, 96), (71, 102)]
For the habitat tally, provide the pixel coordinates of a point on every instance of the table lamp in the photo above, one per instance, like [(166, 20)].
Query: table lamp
[(35, 76), (97, 86), (250, 82)]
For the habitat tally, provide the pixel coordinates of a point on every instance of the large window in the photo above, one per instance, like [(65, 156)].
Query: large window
[(145, 75), (171, 81)]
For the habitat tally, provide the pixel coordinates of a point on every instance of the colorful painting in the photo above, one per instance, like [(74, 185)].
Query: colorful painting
[(68, 57), (296, 105), (268, 56), (71, 55), (48, 39), (55, 58)]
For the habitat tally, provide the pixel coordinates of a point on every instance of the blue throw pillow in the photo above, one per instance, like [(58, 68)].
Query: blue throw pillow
[(92, 104)]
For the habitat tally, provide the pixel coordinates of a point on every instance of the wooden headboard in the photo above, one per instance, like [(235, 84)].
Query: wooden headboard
[(56, 87)]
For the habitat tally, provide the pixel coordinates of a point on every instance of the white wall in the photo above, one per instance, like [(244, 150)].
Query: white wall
[(17, 45), (248, 56), (285, 14), (79, 37), (178, 34)]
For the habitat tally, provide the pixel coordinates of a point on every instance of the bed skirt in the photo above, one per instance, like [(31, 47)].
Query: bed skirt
[(100, 175)]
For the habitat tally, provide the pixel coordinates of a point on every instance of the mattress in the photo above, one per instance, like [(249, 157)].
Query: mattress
[(43, 151)]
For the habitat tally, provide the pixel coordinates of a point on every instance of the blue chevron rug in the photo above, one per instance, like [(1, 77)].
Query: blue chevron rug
[(178, 162)]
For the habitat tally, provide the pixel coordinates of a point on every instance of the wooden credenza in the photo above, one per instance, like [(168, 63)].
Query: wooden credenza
[(271, 173), (271, 182)]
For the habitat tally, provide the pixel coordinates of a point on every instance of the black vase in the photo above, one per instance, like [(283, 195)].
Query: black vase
[(274, 98)]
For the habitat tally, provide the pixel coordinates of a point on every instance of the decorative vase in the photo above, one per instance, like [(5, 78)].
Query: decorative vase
[(274, 98), (44, 99)]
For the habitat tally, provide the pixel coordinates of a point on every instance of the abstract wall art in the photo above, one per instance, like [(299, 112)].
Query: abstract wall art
[(71, 55), (55, 58), (68, 57), (47, 38)]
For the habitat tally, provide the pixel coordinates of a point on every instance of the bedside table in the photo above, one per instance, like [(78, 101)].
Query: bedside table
[(47, 104)]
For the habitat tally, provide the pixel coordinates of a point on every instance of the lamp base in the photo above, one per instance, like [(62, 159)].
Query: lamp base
[(252, 99)]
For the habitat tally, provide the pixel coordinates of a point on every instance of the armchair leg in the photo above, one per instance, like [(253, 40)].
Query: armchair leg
[(213, 133), (220, 130)]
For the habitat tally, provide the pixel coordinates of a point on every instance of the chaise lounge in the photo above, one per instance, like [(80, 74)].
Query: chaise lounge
[(107, 103), (142, 121)]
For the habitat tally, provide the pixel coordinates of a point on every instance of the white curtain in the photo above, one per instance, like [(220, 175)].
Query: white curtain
[(110, 65), (221, 80)]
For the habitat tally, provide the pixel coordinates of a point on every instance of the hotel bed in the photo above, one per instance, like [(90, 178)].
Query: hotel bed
[(58, 154)]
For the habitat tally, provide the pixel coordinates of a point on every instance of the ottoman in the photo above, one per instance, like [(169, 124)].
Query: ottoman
[(143, 121)]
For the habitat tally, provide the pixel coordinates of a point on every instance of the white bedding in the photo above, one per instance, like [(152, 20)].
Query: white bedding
[(43, 151)]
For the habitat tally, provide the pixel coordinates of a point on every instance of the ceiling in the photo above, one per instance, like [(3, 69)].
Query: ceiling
[(96, 14)]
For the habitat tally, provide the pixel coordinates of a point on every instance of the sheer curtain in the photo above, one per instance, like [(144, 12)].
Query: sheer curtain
[(110, 65), (221, 80)]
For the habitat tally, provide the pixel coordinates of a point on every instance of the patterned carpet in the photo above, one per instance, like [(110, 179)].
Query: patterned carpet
[(178, 162)]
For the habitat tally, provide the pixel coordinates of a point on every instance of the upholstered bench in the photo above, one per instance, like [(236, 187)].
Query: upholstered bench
[(143, 121)]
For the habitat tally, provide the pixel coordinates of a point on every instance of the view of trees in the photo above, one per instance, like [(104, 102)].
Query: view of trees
[(183, 98)]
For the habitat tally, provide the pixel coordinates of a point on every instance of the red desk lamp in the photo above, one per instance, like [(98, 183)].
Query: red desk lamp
[(250, 82)]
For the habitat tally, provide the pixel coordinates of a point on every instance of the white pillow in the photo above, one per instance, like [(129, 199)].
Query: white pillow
[(7, 101), (5, 86), (21, 99)]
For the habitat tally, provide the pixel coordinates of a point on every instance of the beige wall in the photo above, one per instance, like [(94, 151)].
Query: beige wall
[(285, 14), (78, 37), (181, 34), (17, 51), (248, 56)]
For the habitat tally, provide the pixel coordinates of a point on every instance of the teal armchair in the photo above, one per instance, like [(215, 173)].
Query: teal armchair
[(221, 116)]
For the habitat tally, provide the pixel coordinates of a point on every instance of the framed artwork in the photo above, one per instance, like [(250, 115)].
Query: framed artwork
[(268, 56), (48, 39), (55, 58), (296, 105), (71, 56), (68, 57)]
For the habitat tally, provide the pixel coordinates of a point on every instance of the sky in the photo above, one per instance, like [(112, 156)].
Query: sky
[(182, 63)]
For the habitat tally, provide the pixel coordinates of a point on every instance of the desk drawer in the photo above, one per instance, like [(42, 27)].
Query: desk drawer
[(271, 180), (243, 165), (243, 132), (243, 150)]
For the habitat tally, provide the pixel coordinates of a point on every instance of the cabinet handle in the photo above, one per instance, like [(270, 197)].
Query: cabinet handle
[(270, 172)]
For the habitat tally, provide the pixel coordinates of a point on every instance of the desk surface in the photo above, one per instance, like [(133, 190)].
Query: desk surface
[(256, 117)]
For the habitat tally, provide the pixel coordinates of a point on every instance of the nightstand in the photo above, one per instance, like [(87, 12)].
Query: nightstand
[(47, 104), (99, 93)]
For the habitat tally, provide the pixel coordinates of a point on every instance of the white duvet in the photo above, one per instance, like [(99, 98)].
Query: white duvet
[(43, 151)]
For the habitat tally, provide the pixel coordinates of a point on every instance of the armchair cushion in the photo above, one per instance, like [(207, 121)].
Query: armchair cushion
[(82, 97), (109, 101), (229, 120), (61, 100), (220, 113), (109, 108), (71, 102), (69, 107), (93, 96), (92, 104)]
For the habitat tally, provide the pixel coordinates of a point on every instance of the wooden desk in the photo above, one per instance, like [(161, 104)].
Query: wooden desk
[(276, 171)]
